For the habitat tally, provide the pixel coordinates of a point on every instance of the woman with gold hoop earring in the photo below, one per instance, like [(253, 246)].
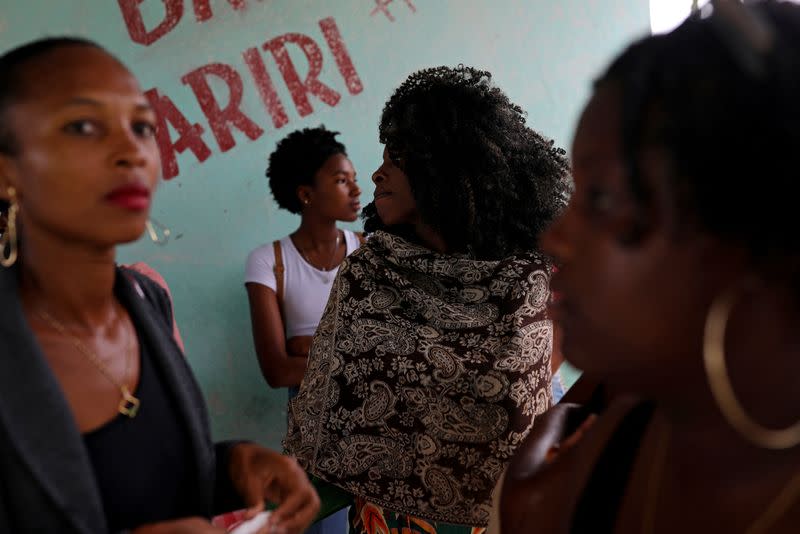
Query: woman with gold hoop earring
[(678, 280), (103, 427)]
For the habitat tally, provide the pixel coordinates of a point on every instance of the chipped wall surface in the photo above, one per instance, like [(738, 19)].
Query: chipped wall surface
[(232, 77)]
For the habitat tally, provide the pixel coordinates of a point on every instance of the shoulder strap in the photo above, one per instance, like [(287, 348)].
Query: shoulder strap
[(279, 271), (361, 238), (602, 496)]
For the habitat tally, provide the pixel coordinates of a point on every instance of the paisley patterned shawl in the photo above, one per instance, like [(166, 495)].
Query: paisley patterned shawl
[(425, 373)]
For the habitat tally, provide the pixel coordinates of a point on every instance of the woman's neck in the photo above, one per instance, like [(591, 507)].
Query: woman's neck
[(73, 283), (767, 394), (705, 456), (315, 232), (430, 238)]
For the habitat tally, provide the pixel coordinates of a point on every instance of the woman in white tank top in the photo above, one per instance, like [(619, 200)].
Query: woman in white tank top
[(309, 174)]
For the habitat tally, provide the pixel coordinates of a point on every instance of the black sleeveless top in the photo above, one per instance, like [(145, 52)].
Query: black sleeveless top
[(599, 505), (143, 466)]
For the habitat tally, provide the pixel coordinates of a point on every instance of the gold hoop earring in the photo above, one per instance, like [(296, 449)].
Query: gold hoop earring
[(9, 239), (153, 227), (721, 388)]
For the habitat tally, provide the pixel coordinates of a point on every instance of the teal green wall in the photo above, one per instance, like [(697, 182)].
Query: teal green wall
[(544, 53)]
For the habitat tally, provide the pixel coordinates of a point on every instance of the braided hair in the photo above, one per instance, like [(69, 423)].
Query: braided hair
[(722, 95), (481, 178)]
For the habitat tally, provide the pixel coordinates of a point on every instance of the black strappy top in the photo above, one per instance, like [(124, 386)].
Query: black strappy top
[(599, 505), (143, 466)]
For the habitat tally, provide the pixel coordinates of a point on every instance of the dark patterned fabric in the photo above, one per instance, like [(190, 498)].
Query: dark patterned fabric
[(425, 374)]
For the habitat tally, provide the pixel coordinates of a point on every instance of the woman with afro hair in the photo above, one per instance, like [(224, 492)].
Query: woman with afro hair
[(288, 281), (433, 355)]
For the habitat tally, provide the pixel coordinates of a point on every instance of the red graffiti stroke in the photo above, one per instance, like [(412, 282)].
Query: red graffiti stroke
[(202, 8), (269, 96), (382, 6), (189, 135), (220, 118), (340, 54), (297, 88), (132, 15)]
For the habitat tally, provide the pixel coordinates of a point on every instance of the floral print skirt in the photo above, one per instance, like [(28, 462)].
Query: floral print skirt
[(369, 518)]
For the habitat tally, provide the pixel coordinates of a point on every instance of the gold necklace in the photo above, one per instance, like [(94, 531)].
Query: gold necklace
[(330, 265), (776, 508), (128, 405)]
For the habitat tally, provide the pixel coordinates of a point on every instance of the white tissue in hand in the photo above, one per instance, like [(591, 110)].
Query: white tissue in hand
[(252, 526)]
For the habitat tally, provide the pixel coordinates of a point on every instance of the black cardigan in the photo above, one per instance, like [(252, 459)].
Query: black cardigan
[(46, 481)]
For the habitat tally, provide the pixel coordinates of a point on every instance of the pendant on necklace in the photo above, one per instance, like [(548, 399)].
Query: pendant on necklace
[(128, 405)]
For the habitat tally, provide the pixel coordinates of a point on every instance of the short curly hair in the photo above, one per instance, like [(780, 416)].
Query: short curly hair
[(296, 160), (728, 115), (482, 179)]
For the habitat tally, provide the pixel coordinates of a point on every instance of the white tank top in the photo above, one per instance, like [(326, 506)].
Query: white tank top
[(305, 288)]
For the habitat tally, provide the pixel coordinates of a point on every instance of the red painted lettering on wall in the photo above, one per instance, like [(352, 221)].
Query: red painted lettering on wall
[(132, 14), (300, 89), (266, 90), (222, 117), (219, 118), (135, 24), (343, 61), (382, 6), (202, 8), (189, 135)]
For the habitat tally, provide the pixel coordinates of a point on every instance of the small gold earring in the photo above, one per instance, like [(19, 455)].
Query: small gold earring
[(8, 241)]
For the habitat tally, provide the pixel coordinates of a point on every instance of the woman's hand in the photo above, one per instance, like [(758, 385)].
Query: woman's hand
[(260, 475), (569, 441), (189, 525), (553, 433), (299, 345)]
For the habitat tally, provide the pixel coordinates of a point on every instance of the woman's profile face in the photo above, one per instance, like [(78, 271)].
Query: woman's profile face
[(86, 161), (394, 199), (335, 192), (631, 309)]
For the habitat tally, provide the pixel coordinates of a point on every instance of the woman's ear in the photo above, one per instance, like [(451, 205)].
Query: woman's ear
[(304, 194), (8, 177)]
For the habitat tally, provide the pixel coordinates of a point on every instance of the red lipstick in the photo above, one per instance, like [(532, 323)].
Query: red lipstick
[(133, 197)]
